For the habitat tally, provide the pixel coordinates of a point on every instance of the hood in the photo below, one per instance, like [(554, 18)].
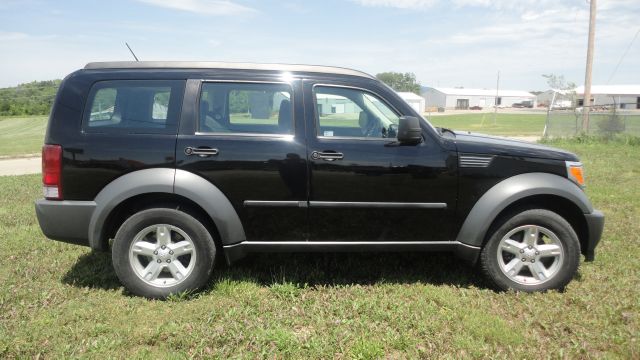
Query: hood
[(468, 142)]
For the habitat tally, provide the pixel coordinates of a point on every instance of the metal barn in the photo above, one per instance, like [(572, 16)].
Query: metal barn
[(462, 98)]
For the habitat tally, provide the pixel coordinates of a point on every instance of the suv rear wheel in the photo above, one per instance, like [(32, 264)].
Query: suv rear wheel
[(158, 252), (535, 250)]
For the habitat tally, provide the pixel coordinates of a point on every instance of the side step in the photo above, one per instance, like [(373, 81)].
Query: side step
[(237, 251)]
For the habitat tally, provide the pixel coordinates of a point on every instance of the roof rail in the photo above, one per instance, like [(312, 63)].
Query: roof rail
[(223, 65)]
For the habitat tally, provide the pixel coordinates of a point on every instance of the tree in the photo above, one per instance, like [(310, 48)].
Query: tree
[(400, 82), (34, 98), (557, 82)]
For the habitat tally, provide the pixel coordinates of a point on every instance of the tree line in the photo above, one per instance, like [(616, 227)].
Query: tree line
[(34, 98)]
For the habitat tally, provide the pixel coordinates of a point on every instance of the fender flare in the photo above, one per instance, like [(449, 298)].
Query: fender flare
[(170, 181), (506, 192), (214, 202)]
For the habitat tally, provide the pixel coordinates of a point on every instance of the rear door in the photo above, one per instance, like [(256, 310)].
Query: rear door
[(247, 139)]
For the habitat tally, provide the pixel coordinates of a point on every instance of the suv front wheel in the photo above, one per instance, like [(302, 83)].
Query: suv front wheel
[(534, 250), (158, 252)]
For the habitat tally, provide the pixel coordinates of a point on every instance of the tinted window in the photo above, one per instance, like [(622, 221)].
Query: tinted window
[(135, 106), (353, 113), (246, 108)]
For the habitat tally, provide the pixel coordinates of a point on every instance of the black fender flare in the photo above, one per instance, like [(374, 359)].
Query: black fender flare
[(506, 192), (170, 181)]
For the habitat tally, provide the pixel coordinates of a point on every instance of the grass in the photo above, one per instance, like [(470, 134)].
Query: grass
[(505, 125), (59, 300), (22, 135)]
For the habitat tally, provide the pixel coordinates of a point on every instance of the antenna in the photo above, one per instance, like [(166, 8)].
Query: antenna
[(132, 53)]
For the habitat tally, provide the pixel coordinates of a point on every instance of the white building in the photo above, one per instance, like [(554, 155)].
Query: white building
[(335, 104), (461, 98), (417, 102), (623, 96)]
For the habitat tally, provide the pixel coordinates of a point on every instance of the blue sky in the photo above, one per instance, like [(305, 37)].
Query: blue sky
[(445, 43)]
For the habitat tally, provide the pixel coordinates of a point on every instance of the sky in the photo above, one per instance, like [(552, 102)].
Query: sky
[(445, 43)]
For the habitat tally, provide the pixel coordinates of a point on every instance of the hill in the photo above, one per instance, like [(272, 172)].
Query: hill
[(34, 98)]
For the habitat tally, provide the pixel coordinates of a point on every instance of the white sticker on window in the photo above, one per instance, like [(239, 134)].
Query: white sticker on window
[(328, 133)]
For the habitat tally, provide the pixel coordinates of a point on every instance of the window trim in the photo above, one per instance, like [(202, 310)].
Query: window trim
[(244, 134), (316, 120), (179, 91)]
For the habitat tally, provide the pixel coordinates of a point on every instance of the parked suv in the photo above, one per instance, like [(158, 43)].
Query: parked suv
[(170, 164)]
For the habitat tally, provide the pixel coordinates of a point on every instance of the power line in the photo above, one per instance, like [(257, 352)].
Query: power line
[(623, 56)]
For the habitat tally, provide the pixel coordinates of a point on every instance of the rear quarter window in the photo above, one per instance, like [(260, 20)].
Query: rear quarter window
[(134, 106)]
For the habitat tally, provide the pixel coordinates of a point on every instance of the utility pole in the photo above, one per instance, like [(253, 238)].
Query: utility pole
[(495, 102), (586, 103)]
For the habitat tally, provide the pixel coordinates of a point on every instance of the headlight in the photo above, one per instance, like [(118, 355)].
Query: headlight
[(575, 172)]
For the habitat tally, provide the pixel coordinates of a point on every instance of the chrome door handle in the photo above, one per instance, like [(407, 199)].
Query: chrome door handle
[(327, 155), (200, 151)]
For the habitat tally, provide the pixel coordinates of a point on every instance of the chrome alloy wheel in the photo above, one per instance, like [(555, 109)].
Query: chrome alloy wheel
[(162, 255), (530, 254)]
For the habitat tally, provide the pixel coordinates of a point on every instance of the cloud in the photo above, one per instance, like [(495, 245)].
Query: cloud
[(209, 7), (400, 4), (8, 36), (520, 5)]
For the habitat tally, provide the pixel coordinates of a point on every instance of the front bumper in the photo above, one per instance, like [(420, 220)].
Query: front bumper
[(595, 225), (66, 221)]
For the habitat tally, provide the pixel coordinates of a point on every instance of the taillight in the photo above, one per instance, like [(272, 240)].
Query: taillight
[(52, 171)]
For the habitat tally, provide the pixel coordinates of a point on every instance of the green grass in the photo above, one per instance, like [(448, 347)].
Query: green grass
[(22, 135), (59, 300), (505, 125)]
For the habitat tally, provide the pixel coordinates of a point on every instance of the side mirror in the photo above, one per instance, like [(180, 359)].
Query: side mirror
[(409, 130)]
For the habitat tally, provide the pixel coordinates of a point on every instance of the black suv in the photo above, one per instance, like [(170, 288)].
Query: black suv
[(170, 164)]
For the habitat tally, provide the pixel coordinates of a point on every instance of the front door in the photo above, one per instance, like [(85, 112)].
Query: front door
[(247, 139), (364, 186)]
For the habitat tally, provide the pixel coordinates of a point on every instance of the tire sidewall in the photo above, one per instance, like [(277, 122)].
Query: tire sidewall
[(202, 240), (544, 218)]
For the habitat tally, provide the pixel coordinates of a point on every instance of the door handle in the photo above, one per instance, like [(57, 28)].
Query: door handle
[(200, 151), (327, 155)]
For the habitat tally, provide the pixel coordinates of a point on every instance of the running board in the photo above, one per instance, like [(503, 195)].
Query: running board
[(237, 251)]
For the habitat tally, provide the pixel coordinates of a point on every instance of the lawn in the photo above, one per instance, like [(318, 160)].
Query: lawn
[(22, 135), (505, 124), (59, 300)]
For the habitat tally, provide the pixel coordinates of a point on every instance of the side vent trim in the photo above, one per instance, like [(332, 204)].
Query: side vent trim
[(475, 160)]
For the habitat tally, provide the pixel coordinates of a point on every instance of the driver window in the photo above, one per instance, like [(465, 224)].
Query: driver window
[(343, 112)]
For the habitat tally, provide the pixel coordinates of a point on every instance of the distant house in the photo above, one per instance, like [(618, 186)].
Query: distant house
[(623, 96), (462, 98), (417, 102)]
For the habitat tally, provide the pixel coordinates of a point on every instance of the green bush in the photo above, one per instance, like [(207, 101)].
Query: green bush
[(34, 98)]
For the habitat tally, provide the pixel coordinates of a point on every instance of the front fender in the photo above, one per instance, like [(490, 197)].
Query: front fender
[(506, 192)]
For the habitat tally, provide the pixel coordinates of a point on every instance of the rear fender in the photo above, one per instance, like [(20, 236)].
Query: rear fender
[(170, 181)]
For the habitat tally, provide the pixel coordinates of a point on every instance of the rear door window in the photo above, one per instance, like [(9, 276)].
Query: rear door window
[(260, 108), (134, 106)]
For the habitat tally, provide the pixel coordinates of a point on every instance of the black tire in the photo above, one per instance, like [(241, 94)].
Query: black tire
[(545, 220), (203, 250)]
